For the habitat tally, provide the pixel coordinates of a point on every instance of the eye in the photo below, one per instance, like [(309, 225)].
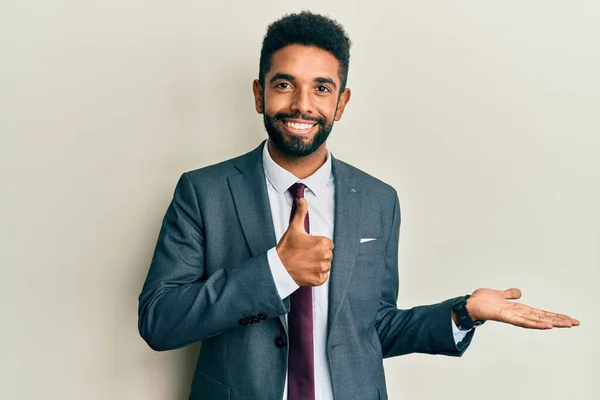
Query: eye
[(283, 85), (322, 89)]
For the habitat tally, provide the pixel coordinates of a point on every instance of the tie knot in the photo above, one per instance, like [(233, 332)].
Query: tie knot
[(297, 190)]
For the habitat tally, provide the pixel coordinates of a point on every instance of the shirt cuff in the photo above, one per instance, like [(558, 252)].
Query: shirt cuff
[(458, 334), (283, 281)]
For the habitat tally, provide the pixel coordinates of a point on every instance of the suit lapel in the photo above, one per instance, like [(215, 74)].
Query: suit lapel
[(346, 235), (249, 191)]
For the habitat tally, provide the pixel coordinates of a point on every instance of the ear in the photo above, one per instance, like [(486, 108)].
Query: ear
[(258, 96), (341, 106)]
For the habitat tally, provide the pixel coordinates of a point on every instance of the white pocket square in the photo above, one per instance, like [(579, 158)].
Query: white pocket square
[(363, 240)]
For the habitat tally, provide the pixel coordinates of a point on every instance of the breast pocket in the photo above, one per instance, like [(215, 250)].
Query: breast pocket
[(371, 246)]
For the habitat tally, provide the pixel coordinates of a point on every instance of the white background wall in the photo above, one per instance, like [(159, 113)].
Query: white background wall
[(484, 116)]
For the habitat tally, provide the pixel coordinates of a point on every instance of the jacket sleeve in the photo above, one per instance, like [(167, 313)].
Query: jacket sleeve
[(179, 304), (422, 329)]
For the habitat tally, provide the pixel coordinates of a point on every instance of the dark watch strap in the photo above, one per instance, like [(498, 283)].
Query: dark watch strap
[(463, 318)]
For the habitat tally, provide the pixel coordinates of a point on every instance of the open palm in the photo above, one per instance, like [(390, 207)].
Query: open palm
[(496, 305)]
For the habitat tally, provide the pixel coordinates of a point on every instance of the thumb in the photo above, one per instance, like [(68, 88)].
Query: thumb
[(511, 294), (300, 215)]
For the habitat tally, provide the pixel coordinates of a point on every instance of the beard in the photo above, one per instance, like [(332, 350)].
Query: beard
[(296, 146)]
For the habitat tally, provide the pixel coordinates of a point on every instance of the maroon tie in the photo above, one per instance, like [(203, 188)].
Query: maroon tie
[(301, 370)]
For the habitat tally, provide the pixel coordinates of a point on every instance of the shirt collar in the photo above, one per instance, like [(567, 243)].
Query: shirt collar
[(282, 179)]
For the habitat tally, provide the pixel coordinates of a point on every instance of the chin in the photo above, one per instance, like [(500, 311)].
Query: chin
[(297, 143)]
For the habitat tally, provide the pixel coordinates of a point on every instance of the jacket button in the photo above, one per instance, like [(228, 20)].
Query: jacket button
[(262, 316), (280, 342), (243, 322), (255, 319)]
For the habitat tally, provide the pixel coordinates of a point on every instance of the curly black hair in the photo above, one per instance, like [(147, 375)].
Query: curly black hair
[(307, 29)]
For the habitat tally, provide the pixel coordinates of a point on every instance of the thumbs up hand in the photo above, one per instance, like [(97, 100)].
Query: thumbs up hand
[(307, 258)]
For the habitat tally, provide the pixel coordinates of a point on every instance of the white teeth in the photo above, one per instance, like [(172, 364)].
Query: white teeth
[(298, 126)]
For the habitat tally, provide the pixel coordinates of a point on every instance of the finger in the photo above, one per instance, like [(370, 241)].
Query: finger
[(547, 319), (524, 321), (548, 314), (536, 325), (327, 243), (300, 215), (555, 322), (322, 279), (323, 241), (524, 316), (511, 294), (560, 320)]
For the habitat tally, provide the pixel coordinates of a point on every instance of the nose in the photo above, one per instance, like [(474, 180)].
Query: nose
[(301, 101)]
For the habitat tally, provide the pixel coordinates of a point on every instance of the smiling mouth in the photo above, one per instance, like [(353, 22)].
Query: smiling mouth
[(298, 127)]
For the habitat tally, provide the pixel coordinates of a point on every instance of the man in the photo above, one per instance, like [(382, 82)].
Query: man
[(284, 261)]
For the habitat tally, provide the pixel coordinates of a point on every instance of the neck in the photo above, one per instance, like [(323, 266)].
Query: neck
[(302, 167)]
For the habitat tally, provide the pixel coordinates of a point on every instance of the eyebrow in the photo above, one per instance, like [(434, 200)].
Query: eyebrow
[(326, 80), (289, 77)]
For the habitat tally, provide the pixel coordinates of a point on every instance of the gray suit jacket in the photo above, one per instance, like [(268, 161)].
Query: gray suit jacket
[(210, 281)]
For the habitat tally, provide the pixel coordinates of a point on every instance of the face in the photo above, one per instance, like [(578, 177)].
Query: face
[(301, 99)]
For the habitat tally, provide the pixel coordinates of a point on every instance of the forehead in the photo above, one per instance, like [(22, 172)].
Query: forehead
[(305, 62)]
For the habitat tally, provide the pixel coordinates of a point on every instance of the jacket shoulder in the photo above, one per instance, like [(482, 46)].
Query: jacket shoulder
[(372, 185)]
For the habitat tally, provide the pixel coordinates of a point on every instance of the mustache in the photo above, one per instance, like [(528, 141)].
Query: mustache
[(281, 116)]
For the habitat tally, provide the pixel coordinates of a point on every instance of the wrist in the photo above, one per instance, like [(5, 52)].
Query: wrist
[(471, 309), (463, 313), (282, 256)]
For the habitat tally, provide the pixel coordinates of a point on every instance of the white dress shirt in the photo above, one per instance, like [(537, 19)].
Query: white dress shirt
[(319, 194)]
